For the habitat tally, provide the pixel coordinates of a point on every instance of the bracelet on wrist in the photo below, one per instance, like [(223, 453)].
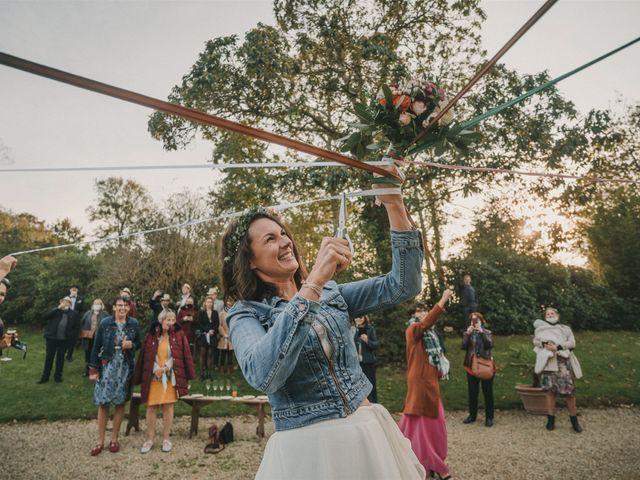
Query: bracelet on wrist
[(313, 287)]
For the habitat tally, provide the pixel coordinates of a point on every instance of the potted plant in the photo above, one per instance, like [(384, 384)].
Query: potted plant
[(533, 397)]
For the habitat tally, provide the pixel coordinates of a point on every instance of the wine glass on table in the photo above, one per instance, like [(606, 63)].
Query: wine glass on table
[(207, 385), (215, 388)]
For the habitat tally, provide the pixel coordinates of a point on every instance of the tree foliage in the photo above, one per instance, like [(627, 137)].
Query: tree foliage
[(122, 206), (613, 241), (302, 77), (41, 279), (516, 279)]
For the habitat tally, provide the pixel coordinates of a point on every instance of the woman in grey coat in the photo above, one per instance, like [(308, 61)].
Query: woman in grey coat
[(88, 326)]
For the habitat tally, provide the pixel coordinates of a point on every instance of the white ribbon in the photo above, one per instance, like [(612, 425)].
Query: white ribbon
[(282, 206)]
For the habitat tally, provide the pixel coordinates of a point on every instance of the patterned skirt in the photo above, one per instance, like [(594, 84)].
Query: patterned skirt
[(114, 386), (562, 382)]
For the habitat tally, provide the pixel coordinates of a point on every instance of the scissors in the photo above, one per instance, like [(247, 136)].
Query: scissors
[(342, 232)]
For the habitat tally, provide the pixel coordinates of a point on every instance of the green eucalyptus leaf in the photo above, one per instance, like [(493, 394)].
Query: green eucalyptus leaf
[(387, 95), (353, 139), (363, 112), (469, 134), (360, 126)]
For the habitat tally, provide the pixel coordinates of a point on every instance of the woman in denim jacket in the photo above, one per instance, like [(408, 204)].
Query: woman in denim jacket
[(292, 336), (111, 367)]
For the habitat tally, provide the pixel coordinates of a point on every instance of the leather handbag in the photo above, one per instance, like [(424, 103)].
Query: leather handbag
[(482, 368), (214, 445)]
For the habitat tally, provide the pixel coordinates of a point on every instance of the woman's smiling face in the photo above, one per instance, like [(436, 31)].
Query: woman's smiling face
[(271, 251)]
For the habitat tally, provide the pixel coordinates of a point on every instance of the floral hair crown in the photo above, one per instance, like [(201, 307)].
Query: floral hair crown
[(241, 226)]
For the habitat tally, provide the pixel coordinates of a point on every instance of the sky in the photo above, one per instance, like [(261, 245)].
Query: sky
[(147, 47)]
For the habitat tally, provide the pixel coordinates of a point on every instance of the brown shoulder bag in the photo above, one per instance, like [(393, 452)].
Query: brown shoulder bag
[(482, 368)]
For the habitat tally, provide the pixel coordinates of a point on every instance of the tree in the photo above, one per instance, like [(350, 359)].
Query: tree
[(613, 241), (515, 278), (167, 258), (496, 226), (123, 206), (24, 231), (302, 77), (67, 232), (42, 278)]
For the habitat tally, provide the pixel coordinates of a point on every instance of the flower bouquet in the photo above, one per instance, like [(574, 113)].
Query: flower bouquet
[(395, 119)]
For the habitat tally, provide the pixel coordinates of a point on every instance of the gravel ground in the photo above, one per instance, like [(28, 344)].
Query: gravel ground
[(517, 447)]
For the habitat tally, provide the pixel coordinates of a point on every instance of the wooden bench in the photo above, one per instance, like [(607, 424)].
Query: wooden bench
[(197, 402)]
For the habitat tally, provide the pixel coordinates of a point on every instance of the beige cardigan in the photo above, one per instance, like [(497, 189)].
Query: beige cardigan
[(547, 361)]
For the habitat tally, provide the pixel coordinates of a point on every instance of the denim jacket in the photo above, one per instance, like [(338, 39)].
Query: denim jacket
[(104, 342), (301, 353)]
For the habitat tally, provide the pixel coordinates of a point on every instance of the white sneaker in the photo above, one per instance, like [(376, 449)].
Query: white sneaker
[(146, 446), (166, 446)]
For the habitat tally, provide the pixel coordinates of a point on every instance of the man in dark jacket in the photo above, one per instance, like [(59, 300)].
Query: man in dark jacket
[(158, 303), (468, 299), (133, 306), (77, 306), (60, 328)]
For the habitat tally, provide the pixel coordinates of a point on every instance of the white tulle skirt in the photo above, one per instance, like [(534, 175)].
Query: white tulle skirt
[(367, 445)]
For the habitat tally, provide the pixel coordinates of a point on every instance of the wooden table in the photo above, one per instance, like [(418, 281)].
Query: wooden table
[(197, 402)]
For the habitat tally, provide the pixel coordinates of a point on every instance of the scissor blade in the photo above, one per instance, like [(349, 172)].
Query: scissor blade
[(342, 219)]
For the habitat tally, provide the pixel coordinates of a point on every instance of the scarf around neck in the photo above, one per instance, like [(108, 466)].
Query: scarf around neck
[(433, 349)]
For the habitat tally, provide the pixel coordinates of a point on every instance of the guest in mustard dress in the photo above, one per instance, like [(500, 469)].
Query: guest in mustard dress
[(164, 369)]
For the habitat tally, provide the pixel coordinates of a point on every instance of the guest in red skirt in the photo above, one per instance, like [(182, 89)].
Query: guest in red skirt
[(422, 420)]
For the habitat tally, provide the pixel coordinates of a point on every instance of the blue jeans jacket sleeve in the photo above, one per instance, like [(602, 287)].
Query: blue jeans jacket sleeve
[(94, 361), (267, 358), (403, 282)]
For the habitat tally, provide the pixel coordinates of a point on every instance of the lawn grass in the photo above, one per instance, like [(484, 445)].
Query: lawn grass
[(610, 362), (22, 399)]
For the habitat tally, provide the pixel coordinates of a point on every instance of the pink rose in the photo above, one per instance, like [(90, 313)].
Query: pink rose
[(404, 119), (418, 107)]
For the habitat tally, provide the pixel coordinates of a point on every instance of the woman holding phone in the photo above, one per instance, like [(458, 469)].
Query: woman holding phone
[(477, 340)]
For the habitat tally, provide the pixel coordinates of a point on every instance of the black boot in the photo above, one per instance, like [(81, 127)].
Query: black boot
[(551, 422), (469, 419), (574, 423)]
